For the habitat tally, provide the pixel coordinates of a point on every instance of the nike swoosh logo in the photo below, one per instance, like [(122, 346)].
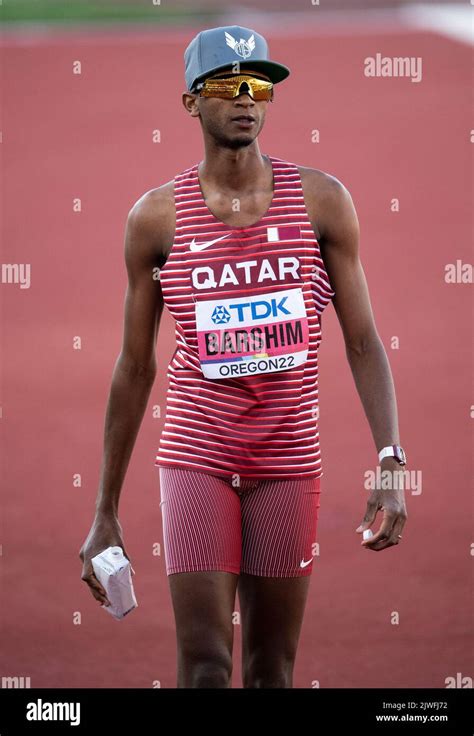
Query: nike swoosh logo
[(200, 246), (305, 564)]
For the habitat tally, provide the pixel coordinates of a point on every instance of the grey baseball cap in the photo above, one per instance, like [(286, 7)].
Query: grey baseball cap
[(217, 49)]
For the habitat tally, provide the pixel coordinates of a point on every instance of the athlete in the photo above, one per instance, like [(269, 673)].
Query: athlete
[(246, 250)]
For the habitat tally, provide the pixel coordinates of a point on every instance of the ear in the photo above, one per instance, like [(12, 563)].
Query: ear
[(190, 102)]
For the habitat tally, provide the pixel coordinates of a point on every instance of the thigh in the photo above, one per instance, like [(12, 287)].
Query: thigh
[(202, 543), (203, 603), (201, 522), (279, 525), (272, 611)]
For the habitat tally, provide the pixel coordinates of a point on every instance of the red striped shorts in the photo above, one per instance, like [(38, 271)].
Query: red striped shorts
[(261, 527)]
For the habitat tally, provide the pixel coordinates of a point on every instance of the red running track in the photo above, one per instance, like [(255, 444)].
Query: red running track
[(90, 137)]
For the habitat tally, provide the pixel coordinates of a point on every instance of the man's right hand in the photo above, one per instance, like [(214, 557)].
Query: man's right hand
[(106, 531)]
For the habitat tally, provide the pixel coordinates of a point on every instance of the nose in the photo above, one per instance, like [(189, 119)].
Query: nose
[(245, 100)]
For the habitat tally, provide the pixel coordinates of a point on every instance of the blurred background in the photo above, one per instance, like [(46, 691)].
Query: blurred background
[(91, 119), (178, 11)]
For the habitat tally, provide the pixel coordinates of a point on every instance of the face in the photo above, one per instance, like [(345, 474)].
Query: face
[(232, 123)]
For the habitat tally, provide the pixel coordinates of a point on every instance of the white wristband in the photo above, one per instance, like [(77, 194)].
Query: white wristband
[(393, 451)]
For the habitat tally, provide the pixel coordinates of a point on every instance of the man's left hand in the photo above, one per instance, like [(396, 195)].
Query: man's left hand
[(392, 502)]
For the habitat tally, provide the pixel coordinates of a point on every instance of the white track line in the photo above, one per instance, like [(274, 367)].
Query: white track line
[(455, 21)]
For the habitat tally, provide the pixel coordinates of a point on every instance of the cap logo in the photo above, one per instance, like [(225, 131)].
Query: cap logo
[(242, 48)]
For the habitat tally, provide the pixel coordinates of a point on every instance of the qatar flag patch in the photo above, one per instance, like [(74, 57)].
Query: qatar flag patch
[(283, 232)]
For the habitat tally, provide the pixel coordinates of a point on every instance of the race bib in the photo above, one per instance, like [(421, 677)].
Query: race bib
[(259, 333)]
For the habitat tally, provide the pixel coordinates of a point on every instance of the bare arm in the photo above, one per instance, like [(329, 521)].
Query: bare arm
[(364, 349), (339, 239), (147, 240), (135, 369)]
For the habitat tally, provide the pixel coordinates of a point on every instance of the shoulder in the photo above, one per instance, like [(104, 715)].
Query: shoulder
[(327, 199), (155, 205), (322, 187), (151, 221)]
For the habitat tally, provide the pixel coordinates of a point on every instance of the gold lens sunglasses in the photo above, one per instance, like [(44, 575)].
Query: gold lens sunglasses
[(230, 87)]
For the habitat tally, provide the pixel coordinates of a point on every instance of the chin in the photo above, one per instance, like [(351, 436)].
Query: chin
[(240, 142)]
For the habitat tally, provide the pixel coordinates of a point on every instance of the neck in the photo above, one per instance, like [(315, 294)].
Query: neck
[(228, 169)]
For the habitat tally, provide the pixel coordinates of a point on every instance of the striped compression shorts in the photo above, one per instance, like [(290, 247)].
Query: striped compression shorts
[(263, 527)]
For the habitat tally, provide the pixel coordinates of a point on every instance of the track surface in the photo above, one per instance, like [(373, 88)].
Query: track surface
[(90, 137)]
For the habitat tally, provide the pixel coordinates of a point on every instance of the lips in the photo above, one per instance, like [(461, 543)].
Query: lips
[(244, 121)]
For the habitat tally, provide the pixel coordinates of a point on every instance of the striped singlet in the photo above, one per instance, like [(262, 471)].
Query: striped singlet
[(247, 303)]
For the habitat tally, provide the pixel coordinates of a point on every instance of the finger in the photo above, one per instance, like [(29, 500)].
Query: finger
[(383, 534), (382, 544), (396, 535), (96, 588), (97, 592), (390, 539), (103, 600), (370, 514)]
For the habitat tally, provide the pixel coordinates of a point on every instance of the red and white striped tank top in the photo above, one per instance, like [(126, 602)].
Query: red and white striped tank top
[(247, 302)]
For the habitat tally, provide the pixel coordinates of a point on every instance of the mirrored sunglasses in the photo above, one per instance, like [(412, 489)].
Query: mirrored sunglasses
[(230, 87)]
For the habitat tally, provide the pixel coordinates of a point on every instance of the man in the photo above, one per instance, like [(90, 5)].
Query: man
[(250, 249)]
